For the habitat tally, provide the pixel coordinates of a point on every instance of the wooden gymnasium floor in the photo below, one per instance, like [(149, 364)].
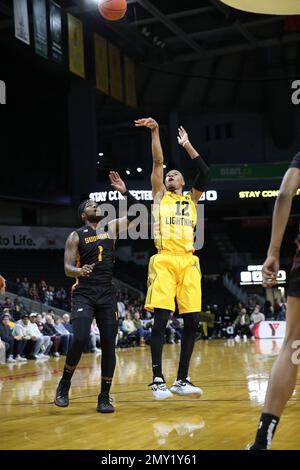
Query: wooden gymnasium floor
[(233, 377)]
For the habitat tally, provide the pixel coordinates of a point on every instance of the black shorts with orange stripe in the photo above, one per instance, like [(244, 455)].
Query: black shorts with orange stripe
[(97, 301)]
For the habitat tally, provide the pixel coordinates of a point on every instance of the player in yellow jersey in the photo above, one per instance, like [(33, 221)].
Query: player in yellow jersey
[(174, 272)]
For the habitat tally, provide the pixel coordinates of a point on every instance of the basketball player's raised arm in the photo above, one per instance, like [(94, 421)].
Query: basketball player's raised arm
[(201, 169), (121, 225), (157, 176), (71, 250), (281, 214)]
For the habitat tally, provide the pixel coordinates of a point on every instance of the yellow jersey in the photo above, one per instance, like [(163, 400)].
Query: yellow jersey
[(175, 218)]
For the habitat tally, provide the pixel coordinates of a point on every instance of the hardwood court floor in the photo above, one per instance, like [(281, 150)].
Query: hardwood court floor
[(233, 377)]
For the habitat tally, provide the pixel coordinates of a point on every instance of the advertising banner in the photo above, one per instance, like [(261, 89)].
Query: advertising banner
[(33, 238)]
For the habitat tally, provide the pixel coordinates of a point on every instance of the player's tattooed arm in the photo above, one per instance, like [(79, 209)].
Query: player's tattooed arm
[(201, 169), (71, 251), (157, 176), (281, 214)]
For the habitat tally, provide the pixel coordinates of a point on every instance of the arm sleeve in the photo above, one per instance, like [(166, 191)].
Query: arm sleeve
[(202, 176), (296, 161)]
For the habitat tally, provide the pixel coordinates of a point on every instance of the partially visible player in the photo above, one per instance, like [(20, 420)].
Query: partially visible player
[(284, 372), (89, 257), (174, 272), (2, 285)]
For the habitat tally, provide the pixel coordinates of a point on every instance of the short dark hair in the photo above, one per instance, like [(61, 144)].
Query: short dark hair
[(82, 207)]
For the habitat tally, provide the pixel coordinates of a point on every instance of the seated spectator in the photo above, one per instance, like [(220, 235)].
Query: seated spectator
[(142, 332), (25, 285), (241, 325), (8, 304), (66, 336), (41, 317), (50, 330), (7, 338), (49, 296), (19, 308), (11, 321), (19, 287), (95, 337), (42, 290), (66, 323), (33, 292), (21, 336), (131, 333), (177, 327), (256, 316), (42, 343), (60, 298), (281, 311), (33, 343)]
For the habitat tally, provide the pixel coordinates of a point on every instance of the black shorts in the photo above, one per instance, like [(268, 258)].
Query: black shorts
[(293, 289), (98, 302)]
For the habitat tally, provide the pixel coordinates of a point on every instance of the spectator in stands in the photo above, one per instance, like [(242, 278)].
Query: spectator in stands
[(276, 307), (60, 298), (42, 290), (49, 330), (241, 325), (41, 317), (142, 332), (49, 296), (21, 336), (131, 333), (11, 322), (7, 338), (19, 287), (121, 309), (95, 337), (8, 304), (25, 285), (66, 336), (33, 292), (19, 308), (282, 309), (177, 328), (42, 344), (268, 310), (66, 323), (257, 316)]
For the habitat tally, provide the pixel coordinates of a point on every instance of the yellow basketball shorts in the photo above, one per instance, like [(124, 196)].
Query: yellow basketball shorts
[(174, 276)]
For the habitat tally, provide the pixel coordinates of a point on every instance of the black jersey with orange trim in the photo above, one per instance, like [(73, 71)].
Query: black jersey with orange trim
[(95, 247)]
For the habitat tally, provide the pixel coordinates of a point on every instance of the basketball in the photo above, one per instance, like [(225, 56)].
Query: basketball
[(112, 10)]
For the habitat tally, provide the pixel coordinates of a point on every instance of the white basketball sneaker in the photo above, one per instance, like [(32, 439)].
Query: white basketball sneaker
[(159, 389), (186, 388)]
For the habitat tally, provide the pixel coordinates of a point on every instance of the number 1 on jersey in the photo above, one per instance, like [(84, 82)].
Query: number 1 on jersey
[(100, 248)]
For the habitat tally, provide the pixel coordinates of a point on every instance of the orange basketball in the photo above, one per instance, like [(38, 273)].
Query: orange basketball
[(112, 10)]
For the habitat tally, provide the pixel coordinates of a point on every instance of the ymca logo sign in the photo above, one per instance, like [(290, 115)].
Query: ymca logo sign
[(274, 327), (2, 92)]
